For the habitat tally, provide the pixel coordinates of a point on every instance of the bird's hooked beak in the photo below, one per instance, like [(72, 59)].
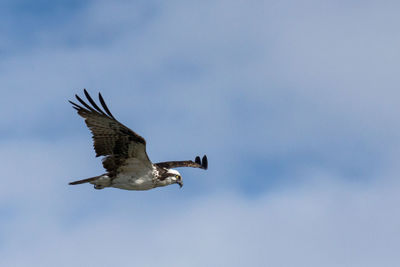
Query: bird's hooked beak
[(180, 183)]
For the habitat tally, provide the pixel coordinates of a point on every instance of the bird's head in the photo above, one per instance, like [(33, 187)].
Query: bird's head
[(175, 177)]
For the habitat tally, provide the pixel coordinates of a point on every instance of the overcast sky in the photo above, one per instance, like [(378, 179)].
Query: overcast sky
[(295, 103)]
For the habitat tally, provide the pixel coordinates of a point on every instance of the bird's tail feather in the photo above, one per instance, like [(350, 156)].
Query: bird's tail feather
[(88, 180)]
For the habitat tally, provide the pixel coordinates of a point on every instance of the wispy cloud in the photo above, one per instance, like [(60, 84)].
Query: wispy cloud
[(294, 103), (322, 222)]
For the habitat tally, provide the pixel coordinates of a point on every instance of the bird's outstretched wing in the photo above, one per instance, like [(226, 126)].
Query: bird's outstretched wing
[(197, 163), (112, 139)]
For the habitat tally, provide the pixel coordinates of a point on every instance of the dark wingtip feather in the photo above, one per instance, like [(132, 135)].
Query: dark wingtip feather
[(92, 102), (74, 104), (84, 104), (204, 162), (103, 104), (197, 160)]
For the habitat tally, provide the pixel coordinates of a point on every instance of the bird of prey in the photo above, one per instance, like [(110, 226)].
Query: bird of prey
[(125, 159)]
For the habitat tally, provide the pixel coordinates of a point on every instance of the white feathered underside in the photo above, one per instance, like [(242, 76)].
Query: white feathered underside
[(135, 175)]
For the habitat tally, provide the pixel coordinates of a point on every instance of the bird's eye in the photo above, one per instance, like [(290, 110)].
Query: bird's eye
[(177, 176)]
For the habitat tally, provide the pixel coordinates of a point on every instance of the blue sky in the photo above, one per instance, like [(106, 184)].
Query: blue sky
[(294, 102)]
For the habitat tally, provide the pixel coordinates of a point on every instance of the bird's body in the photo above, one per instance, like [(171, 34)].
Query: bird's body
[(129, 181), (126, 161), (134, 180), (126, 181)]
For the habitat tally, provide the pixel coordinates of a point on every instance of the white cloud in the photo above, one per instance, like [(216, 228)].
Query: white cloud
[(243, 83), (314, 69), (322, 222)]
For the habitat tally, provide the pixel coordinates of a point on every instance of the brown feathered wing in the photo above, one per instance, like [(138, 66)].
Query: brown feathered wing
[(197, 163), (124, 150)]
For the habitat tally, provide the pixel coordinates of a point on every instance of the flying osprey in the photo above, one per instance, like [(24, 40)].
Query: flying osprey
[(126, 161)]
